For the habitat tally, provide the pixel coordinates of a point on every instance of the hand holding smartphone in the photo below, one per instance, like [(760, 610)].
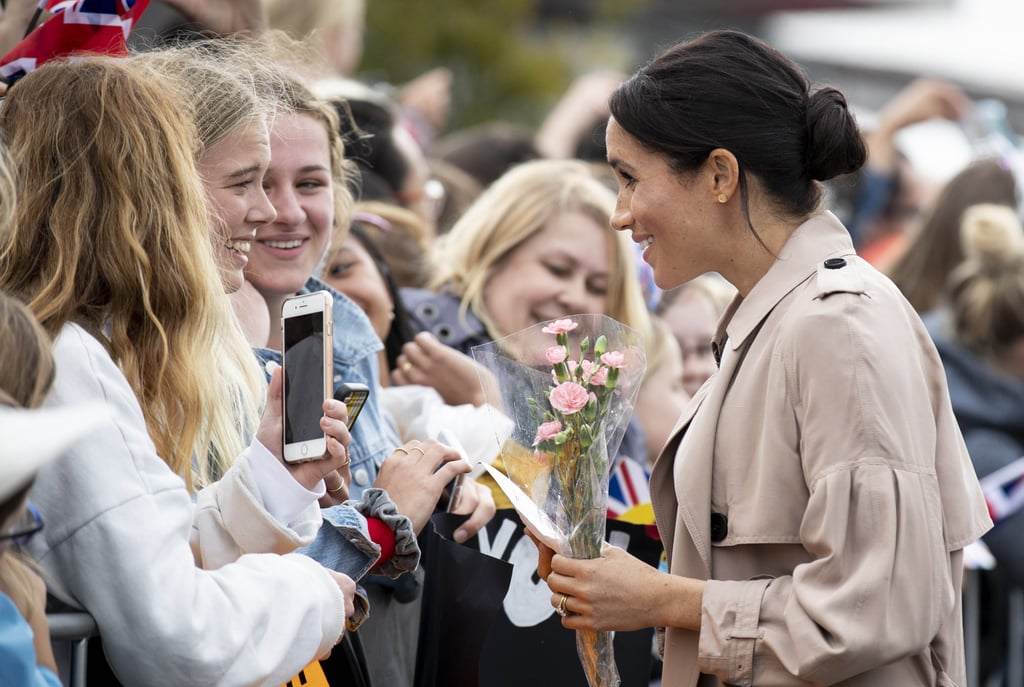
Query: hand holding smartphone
[(308, 361)]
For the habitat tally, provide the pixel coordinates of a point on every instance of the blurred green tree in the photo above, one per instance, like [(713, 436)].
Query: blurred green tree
[(507, 63)]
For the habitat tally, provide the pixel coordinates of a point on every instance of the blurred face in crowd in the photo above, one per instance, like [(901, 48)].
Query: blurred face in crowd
[(344, 46), (232, 171), (300, 187), (560, 270), (352, 271), (692, 318), (661, 399), (419, 192)]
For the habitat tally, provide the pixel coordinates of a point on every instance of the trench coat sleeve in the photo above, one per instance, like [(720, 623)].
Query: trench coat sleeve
[(879, 584)]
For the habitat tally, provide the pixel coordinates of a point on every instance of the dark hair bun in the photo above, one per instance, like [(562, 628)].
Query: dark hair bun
[(834, 143)]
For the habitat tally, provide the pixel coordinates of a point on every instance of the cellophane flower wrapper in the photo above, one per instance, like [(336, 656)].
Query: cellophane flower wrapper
[(569, 386)]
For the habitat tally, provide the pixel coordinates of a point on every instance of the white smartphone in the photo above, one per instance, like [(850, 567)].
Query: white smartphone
[(308, 361)]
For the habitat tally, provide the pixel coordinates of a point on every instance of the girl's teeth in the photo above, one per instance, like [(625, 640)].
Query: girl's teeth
[(294, 243), (647, 241), (240, 246)]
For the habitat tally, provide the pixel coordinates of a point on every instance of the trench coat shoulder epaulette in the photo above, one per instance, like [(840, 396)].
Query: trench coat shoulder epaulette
[(841, 275)]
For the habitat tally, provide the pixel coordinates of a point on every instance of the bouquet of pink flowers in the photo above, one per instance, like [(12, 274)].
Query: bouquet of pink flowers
[(569, 385)]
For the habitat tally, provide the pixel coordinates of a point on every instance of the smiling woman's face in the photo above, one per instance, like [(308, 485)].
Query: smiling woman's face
[(300, 186), (232, 171), (560, 270)]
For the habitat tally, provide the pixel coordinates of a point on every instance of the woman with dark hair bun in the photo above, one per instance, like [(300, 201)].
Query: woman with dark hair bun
[(815, 497)]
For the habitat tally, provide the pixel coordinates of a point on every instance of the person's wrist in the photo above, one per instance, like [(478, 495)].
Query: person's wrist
[(677, 602)]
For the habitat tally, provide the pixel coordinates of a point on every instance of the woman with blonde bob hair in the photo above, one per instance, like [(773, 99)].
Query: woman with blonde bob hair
[(534, 246), (124, 255)]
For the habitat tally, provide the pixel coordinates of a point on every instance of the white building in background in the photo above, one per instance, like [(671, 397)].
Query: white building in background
[(870, 53), (977, 43)]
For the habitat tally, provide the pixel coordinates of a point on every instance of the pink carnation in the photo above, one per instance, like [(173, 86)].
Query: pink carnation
[(555, 354), (560, 327), (569, 398), (593, 373), (613, 359), (546, 431)]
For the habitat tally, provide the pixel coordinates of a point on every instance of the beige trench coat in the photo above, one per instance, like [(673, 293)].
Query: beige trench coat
[(818, 481)]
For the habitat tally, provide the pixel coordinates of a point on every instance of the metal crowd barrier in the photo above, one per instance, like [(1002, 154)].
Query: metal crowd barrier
[(75, 629)]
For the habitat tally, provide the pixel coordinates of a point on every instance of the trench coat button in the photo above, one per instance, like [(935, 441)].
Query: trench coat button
[(719, 527), (834, 263)]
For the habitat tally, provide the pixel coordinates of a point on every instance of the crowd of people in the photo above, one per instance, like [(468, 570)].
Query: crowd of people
[(827, 378)]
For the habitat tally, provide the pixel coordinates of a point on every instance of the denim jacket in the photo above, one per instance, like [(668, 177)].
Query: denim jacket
[(355, 360)]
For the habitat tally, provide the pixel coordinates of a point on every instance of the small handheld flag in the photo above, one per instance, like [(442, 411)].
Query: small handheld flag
[(1004, 490), (76, 26)]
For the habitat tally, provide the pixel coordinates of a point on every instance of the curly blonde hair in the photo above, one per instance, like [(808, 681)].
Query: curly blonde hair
[(112, 232)]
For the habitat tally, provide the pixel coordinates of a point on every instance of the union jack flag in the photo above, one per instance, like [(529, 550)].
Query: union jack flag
[(76, 26), (628, 488), (1004, 490)]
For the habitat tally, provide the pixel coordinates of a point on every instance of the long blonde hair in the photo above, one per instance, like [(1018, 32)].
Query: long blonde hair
[(112, 232), (514, 208), (227, 85)]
